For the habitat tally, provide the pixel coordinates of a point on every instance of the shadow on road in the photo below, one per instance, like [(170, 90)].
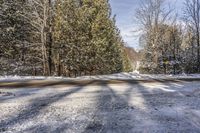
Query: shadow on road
[(34, 108), (134, 108), (139, 109)]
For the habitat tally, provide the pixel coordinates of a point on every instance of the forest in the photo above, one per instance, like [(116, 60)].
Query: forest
[(170, 41), (60, 38), (80, 37)]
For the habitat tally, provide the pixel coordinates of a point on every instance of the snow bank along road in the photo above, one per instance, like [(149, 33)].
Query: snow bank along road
[(123, 107)]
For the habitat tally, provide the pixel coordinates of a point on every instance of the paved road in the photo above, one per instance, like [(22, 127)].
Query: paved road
[(123, 107)]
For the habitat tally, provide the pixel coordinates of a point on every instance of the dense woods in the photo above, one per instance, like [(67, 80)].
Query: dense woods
[(170, 43), (80, 37), (60, 38)]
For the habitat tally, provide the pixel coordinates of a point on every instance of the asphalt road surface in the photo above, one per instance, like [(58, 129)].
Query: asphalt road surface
[(125, 107)]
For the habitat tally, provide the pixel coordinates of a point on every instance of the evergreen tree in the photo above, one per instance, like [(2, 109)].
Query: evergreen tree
[(67, 37), (91, 41), (15, 36)]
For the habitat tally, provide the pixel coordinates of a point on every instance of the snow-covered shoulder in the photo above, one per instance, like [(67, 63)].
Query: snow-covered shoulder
[(118, 76)]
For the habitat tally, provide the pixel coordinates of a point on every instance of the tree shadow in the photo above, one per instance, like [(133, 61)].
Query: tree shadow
[(118, 111), (35, 107), (135, 108), (109, 105), (19, 94), (40, 84), (166, 107)]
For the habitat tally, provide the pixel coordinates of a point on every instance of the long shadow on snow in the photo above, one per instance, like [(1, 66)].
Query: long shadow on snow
[(34, 108), (161, 109), (109, 105), (41, 83), (115, 112), (20, 94)]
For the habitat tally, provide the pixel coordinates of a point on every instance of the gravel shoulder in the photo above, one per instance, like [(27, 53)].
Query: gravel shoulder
[(112, 108)]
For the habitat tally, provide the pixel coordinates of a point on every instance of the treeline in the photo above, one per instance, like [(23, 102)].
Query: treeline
[(133, 56), (171, 43), (61, 38)]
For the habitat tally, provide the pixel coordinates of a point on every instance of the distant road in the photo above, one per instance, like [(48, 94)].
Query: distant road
[(46, 83), (99, 106)]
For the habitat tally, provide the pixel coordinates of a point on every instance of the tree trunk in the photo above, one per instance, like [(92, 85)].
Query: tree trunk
[(198, 52), (50, 39)]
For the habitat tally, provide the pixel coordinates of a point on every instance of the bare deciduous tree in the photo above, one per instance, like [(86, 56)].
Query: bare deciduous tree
[(152, 16), (192, 17)]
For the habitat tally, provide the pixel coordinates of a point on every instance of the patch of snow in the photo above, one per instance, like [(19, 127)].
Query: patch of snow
[(119, 76)]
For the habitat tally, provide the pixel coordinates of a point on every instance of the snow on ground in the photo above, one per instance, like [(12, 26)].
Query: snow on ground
[(136, 76), (120, 76), (145, 107)]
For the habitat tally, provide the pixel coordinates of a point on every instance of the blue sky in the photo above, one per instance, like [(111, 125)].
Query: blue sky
[(125, 10)]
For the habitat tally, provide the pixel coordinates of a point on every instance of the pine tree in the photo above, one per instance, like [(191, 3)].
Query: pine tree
[(68, 38), (108, 56), (91, 41), (15, 35)]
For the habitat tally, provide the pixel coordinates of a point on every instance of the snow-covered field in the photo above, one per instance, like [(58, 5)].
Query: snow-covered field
[(133, 75)]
